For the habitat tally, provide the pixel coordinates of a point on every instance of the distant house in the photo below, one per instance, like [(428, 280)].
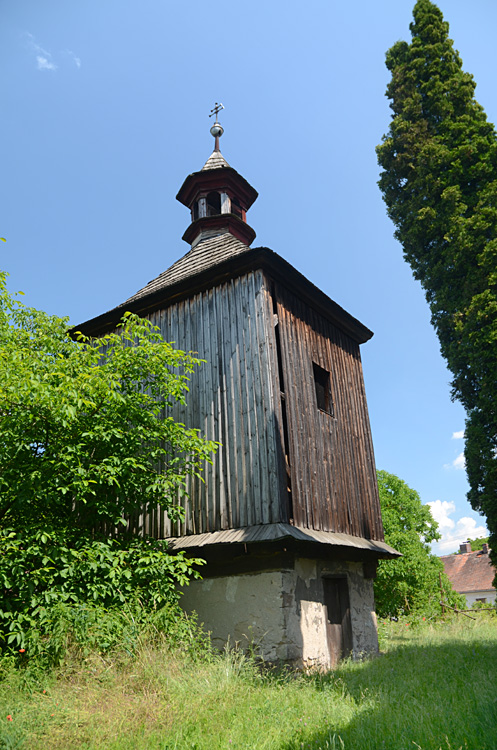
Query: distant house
[(471, 574)]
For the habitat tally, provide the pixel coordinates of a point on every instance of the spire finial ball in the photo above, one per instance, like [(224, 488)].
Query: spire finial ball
[(217, 130)]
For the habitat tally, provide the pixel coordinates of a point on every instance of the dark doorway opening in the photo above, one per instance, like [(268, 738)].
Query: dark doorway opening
[(338, 623)]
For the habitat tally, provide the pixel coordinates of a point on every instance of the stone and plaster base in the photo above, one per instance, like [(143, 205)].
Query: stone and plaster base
[(282, 612)]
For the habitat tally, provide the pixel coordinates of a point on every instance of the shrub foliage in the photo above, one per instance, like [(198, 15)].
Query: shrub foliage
[(86, 440), (411, 583)]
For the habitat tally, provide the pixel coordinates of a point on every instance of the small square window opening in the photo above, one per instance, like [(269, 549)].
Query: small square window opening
[(322, 384)]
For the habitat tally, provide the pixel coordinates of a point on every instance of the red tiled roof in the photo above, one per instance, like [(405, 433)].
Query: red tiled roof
[(470, 571)]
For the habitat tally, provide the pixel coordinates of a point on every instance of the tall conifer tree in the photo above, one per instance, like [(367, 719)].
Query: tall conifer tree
[(440, 185)]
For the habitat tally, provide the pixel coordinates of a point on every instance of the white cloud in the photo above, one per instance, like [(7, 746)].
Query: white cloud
[(441, 510), (42, 63), (44, 58), (453, 532), (459, 463), (76, 60)]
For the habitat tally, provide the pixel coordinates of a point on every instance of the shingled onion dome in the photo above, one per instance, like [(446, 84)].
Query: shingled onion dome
[(218, 198)]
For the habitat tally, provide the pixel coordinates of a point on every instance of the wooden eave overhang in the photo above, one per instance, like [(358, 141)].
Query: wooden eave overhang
[(250, 260), (214, 179), (346, 544), (236, 226)]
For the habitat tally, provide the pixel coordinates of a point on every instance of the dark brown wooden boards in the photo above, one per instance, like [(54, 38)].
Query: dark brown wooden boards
[(282, 391), (331, 454)]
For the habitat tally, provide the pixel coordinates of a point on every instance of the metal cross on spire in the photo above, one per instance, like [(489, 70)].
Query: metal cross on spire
[(216, 130), (216, 109)]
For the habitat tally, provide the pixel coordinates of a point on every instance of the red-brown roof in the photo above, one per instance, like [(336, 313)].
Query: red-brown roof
[(470, 571)]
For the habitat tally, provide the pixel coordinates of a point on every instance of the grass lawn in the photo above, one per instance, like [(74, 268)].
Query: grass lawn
[(434, 687)]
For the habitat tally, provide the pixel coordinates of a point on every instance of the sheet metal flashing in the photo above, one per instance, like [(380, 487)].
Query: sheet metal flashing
[(275, 531)]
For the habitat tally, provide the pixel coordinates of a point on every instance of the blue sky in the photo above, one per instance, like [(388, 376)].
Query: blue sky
[(105, 109)]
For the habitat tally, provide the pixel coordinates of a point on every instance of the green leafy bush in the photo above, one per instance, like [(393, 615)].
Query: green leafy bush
[(410, 584), (47, 574), (87, 443)]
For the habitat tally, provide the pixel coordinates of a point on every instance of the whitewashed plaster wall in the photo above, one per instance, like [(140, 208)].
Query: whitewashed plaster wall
[(242, 609), (473, 596), (362, 611), (282, 612)]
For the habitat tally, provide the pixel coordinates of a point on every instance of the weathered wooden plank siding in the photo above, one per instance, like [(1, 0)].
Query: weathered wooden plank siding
[(231, 400), (332, 463)]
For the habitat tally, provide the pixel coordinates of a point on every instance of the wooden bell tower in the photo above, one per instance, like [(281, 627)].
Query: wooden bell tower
[(288, 517)]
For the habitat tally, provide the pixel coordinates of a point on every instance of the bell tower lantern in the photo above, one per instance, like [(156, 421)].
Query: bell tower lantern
[(217, 196)]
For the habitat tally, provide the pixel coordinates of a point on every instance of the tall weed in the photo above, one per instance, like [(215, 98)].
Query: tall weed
[(433, 689)]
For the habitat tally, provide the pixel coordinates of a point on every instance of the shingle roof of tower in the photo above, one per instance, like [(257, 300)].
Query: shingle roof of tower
[(207, 254), (215, 161), (219, 257)]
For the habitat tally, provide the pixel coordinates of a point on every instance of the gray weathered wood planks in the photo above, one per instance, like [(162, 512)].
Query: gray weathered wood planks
[(237, 398)]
